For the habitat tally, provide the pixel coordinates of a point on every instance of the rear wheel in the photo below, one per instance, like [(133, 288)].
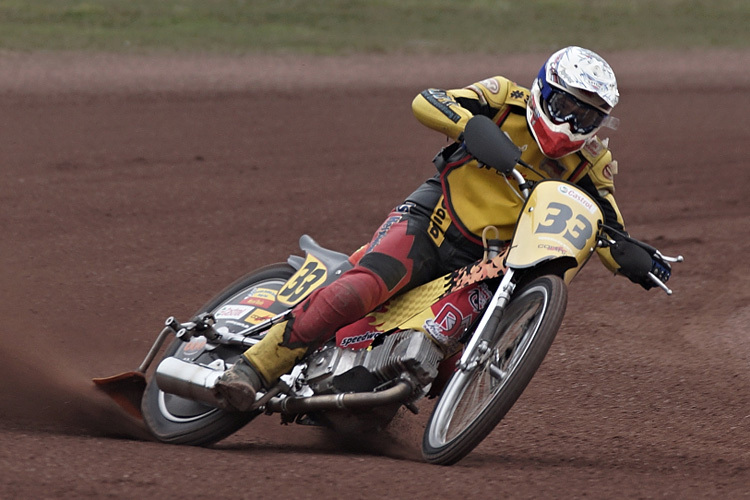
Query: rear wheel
[(475, 400), (176, 420)]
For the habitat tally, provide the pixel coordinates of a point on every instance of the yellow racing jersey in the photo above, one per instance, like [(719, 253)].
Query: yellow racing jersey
[(477, 196)]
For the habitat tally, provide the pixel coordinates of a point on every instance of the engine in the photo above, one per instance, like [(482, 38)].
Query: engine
[(336, 370)]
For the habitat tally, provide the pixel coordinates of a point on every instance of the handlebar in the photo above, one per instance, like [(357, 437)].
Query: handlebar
[(650, 250)]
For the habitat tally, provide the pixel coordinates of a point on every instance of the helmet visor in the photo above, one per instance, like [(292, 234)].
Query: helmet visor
[(566, 108)]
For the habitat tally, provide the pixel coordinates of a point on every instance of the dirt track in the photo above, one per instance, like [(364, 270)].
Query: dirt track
[(133, 189)]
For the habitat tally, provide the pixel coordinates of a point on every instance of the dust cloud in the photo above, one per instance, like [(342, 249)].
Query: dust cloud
[(43, 393)]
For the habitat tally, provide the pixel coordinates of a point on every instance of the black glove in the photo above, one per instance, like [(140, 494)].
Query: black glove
[(635, 264)]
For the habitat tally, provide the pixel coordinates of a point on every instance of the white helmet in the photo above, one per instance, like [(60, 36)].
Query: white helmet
[(570, 101)]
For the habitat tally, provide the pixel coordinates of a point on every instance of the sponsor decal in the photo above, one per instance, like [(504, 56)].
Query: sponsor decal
[(479, 297), (233, 311), (576, 195), (404, 208), (194, 346), (519, 94), (256, 301), (447, 326), (443, 102), (390, 221), (258, 316), (491, 85), (347, 341), (439, 223), (260, 297), (552, 248)]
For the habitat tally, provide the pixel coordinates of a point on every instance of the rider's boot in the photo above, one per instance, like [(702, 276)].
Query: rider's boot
[(260, 366), (237, 387)]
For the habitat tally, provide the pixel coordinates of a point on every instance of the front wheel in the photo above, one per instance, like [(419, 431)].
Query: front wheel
[(176, 420), (476, 399)]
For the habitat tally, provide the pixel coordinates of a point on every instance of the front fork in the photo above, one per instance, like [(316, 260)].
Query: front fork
[(478, 347)]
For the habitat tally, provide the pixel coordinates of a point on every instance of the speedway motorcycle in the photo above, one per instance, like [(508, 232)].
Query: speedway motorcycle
[(473, 338)]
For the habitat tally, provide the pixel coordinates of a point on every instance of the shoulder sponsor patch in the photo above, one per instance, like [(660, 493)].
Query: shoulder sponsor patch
[(491, 85)]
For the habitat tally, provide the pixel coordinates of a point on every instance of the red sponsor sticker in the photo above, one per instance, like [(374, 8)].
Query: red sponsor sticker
[(256, 301)]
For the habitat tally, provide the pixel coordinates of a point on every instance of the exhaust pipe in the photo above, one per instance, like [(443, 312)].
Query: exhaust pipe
[(188, 380), (351, 401), (197, 382)]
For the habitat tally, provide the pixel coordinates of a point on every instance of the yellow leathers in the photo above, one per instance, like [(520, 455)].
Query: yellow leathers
[(478, 196)]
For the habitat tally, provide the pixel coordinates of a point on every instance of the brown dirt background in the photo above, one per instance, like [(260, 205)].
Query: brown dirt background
[(133, 188)]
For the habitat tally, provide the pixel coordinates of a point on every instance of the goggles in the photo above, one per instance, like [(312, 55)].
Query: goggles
[(566, 108)]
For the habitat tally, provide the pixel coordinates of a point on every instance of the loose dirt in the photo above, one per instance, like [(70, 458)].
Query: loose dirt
[(134, 188)]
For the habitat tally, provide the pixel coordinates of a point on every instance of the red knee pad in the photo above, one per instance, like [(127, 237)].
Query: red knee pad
[(344, 301)]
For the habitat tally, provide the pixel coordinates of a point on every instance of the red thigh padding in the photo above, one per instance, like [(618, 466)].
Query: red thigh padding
[(344, 301)]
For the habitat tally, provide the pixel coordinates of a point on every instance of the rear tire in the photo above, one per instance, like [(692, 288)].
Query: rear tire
[(474, 401), (176, 420)]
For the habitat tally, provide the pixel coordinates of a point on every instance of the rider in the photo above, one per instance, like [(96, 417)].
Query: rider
[(438, 228)]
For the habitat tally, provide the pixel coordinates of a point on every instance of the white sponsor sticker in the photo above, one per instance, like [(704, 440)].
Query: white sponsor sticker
[(578, 196), (233, 311)]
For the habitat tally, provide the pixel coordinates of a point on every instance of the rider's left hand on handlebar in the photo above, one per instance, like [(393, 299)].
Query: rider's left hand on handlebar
[(636, 264)]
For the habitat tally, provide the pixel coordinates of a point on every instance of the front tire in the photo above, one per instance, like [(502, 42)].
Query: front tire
[(475, 400), (176, 420)]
